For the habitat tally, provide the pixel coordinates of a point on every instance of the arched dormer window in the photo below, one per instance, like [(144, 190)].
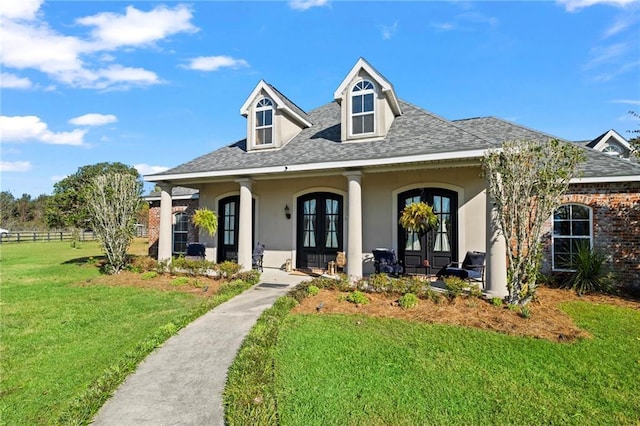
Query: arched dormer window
[(363, 108), (264, 122)]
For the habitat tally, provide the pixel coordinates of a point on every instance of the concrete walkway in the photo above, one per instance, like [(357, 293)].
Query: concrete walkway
[(181, 382)]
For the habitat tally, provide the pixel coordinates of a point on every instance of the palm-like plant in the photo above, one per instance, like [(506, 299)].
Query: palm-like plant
[(206, 219), (592, 272), (418, 217)]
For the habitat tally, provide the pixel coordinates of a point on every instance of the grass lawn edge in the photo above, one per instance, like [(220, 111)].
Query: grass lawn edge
[(85, 405)]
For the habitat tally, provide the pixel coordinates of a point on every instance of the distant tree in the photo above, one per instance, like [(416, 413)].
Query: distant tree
[(67, 207), (113, 201), (526, 182), (7, 205)]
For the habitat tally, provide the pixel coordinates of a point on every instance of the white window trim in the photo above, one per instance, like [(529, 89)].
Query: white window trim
[(362, 114), (271, 126), (173, 231), (553, 236)]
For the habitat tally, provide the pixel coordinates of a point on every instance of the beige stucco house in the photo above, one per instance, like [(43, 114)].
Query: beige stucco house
[(309, 185)]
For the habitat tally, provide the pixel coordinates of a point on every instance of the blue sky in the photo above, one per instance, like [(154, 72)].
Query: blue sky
[(156, 84)]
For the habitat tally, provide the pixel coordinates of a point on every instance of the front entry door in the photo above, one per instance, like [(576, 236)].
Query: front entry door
[(228, 226), (438, 247), (319, 233)]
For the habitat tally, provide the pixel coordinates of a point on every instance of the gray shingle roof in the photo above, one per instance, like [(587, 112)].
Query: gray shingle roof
[(290, 104), (176, 191), (415, 132), (597, 164)]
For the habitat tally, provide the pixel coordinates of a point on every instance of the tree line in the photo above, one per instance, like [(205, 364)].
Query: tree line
[(66, 208)]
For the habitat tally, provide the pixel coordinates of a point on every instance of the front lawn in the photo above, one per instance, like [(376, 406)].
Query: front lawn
[(68, 337), (333, 369)]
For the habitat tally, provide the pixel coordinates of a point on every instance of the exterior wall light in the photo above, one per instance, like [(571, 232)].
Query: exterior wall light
[(287, 212)]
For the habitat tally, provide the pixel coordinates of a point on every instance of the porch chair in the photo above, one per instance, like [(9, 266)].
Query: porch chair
[(385, 262), (471, 268), (195, 251), (258, 254)]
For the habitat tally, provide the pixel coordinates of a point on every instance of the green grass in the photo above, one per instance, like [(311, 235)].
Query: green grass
[(353, 370), (65, 347)]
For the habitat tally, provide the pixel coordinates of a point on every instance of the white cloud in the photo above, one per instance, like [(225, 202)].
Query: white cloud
[(24, 128), (574, 5), (146, 169), (606, 54), (389, 30), (93, 119), (626, 101), (78, 62), (307, 4), (20, 9), (137, 28), (12, 81), (214, 63), (620, 25), (444, 26), (15, 166)]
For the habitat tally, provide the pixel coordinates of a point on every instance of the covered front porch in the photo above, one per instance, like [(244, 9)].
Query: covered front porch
[(304, 220)]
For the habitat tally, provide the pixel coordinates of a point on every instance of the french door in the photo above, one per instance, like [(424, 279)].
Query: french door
[(438, 247), (319, 233), (228, 226)]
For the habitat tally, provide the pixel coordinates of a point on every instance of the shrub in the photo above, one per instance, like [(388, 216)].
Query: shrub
[(141, 264), (312, 290), (228, 269), (192, 267), (433, 295), (455, 286), (149, 275), (592, 273), (496, 301), (525, 312), (180, 281), (408, 301), (250, 277), (357, 297), (474, 290), (379, 283)]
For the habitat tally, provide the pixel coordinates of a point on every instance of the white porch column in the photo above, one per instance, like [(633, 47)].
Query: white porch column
[(166, 223), (496, 264), (245, 226), (354, 241)]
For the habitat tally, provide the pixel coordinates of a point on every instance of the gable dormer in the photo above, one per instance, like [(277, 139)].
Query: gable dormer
[(611, 143), (272, 119), (368, 103)]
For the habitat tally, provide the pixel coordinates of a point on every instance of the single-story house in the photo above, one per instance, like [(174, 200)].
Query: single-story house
[(311, 184)]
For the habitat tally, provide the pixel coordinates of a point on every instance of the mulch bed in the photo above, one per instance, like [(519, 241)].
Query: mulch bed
[(547, 321), (206, 287)]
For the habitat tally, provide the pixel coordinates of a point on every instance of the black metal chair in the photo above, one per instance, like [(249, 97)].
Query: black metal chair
[(258, 255), (385, 262), (471, 268), (195, 251)]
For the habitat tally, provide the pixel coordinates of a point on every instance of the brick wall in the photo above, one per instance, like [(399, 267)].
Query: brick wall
[(616, 225), (188, 206)]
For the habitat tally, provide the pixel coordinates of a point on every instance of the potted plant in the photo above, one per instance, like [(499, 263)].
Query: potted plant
[(206, 219), (418, 217)]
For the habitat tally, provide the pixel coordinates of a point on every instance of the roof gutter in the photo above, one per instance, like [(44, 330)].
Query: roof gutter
[(458, 155)]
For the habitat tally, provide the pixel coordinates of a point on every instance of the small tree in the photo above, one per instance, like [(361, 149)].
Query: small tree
[(112, 203), (635, 140), (67, 207), (526, 180)]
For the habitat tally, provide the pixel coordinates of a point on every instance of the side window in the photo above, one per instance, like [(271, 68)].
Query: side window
[(572, 228), (180, 232), (264, 122), (363, 108)]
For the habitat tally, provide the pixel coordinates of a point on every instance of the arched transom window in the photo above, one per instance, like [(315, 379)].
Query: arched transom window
[(264, 122), (571, 230), (363, 108)]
